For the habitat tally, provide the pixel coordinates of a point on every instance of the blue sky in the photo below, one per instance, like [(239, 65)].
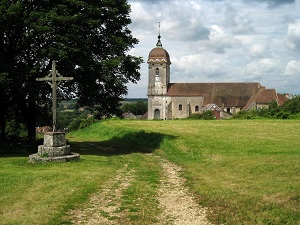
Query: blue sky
[(221, 41)]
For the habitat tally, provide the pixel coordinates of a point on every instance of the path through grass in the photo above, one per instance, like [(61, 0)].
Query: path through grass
[(242, 171)]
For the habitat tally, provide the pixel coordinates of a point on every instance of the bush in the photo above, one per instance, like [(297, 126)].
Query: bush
[(15, 130), (293, 105), (138, 108), (207, 115), (87, 122), (65, 118), (80, 123), (252, 114), (294, 116), (74, 125)]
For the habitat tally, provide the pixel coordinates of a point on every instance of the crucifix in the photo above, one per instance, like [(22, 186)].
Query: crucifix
[(54, 79)]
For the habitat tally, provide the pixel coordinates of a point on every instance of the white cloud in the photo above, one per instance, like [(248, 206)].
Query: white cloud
[(198, 67), (221, 41), (263, 66), (196, 5), (292, 68), (259, 50), (293, 36), (237, 23)]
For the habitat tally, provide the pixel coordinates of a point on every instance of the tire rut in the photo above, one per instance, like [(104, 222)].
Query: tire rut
[(176, 202), (104, 206)]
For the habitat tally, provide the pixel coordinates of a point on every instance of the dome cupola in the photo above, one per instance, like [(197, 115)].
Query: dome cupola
[(159, 54)]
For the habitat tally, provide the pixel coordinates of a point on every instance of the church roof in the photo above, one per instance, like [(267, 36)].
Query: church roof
[(229, 94), (265, 96), (281, 99), (159, 54)]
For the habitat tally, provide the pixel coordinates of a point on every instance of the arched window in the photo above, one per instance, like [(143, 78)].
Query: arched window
[(196, 108), (157, 74), (156, 114), (228, 110), (180, 107)]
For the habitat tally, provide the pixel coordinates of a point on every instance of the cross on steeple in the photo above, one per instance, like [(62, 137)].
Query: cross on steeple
[(54, 79), (159, 44)]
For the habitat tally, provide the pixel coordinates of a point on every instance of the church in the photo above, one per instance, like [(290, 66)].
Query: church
[(168, 100)]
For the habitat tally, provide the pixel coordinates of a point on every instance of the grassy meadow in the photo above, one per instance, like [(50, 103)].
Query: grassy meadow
[(244, 171)]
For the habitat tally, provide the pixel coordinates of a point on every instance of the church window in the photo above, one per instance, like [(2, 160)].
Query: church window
[(157, 74), (196, 108), (180, 107), (156, 114)]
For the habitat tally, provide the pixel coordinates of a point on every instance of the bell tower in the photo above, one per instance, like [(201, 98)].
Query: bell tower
[(158, 80)]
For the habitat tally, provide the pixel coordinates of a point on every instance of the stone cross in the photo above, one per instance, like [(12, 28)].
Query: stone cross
[(54, 79)]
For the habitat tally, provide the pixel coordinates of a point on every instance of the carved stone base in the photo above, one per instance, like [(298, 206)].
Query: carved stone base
[(46, 151), (54, 149), (66, 158)]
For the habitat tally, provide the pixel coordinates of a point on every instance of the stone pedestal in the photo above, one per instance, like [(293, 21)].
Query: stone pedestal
[(54, 148)]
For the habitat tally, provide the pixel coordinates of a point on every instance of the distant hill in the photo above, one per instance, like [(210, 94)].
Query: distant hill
[(71, 104)]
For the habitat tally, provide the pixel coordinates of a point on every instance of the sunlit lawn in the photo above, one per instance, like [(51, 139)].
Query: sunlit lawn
[(245, 171)]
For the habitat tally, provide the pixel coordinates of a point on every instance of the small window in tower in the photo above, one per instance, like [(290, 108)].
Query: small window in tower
[(180, 107), (196, 108), (157, 74)]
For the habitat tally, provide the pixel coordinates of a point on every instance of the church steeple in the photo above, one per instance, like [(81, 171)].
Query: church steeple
[(159, 44), (158, 81)]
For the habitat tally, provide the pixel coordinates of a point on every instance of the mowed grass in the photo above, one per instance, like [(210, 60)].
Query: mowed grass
[(43, 193), (245, 171)]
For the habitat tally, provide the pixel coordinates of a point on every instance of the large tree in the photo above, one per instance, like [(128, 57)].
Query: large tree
[(89, 40)]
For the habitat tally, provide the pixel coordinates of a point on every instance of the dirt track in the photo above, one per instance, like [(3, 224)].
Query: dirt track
[(175, 201)]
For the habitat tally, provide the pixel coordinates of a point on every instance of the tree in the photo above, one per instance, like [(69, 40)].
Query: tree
[(90, 41), (138, 108), (293, 105)]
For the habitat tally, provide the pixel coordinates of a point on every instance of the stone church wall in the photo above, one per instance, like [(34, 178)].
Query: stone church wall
[(182, 107), (156, 107)]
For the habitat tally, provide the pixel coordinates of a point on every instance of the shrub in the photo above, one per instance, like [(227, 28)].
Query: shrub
[(74, 125), (80, 123), (294, 116), (293, 105), (138, 108), (15, 130), (207, 115), (87, 122)]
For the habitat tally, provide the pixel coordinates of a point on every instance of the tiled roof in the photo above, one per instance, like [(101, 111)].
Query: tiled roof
[(159, 55), (281, 99), (229, 94), (263, 96), (211, 107), (266, 96)]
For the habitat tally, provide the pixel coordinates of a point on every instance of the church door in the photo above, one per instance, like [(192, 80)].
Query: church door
[(156, 114)]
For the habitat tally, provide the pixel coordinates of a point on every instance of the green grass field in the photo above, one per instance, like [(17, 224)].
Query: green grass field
[(245, 171)]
